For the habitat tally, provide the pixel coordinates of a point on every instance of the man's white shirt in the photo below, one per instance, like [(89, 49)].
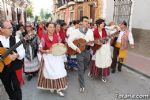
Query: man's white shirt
[(20, 50), (77, 35)]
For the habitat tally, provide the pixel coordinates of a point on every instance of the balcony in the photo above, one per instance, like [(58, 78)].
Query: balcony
[(78, 1), (62, 7), (14, 1), (71, 2)]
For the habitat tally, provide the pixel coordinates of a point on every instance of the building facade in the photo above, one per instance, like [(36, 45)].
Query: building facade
[(136, 13), (69, 10), (13, 10)]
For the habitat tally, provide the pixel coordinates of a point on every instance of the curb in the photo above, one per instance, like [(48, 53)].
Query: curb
[(137, 71)]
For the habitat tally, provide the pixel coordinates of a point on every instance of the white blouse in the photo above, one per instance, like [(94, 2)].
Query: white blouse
[(77, 34), (20, 49)]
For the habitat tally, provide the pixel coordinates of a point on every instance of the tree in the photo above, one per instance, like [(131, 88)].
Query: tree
[(47, 15), (42, 13), (29, 11), (38, 18)]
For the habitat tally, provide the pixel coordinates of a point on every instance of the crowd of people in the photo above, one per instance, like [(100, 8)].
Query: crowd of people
[(34, 56)]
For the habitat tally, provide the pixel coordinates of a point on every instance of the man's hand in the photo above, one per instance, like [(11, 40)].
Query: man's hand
[(78, 50), (90, 43)]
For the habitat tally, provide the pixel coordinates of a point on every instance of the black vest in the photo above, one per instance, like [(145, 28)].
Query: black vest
[(17, 64)]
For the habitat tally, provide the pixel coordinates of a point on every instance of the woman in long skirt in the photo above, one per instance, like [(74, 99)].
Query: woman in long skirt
[(52, 75), (31, 64), (101, 59)]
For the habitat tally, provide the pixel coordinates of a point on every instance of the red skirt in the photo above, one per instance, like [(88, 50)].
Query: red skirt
[(95, 71), (19, 76)]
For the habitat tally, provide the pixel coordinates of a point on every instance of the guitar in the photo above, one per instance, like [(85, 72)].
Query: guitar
[(80, 43), (4, 58), (103, 41)]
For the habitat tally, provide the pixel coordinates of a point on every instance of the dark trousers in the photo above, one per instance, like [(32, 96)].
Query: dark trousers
[(114, 60), (11, 84), (83, 61)]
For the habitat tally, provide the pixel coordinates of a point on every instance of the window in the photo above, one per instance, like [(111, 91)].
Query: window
[(71, 16), (122, 11), (80, 13)]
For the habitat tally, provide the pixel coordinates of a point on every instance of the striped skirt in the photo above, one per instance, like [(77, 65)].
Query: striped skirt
[(51, 84), (96, 72)]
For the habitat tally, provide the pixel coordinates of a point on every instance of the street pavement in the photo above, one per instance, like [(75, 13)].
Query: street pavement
[(122, 83), (138, 63)]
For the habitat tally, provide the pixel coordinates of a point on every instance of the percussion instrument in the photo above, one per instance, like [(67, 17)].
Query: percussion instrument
[(58, 49)]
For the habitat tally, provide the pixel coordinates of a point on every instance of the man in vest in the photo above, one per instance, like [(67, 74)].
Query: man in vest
[(83, 58), (121, 45), (8, 74)]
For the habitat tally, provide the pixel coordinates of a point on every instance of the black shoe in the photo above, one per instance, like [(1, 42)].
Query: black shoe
[(113, 71), (119, 69), (29, 77)]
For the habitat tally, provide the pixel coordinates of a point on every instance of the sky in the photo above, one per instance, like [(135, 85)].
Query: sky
[(39, 4)]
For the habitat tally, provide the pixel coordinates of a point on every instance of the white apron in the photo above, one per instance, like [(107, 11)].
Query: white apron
[(54, 66), (102, 56)]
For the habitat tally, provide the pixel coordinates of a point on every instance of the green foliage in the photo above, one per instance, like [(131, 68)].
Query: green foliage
[(45, 14), (42, 13), (38, 18), (29, 11)]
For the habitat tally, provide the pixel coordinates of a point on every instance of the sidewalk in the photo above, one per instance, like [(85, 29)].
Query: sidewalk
[(138, 63)]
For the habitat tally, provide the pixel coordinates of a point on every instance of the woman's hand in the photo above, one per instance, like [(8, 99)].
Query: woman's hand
[(13, 56)]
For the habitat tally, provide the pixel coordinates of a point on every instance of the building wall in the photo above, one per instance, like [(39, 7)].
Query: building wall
[(100, 8), (142, 41), (6, 9), (109, 10), (2, 11), (67, 15), (140, 24), (141, 14), (86, 10)]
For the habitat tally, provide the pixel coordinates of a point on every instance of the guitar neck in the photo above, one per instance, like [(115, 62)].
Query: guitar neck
[(108, 37), (12, 48)]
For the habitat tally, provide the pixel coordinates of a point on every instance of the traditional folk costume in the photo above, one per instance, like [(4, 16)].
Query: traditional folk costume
[(19, 72), (101, 59), (52, 75), (11, 76), (40, 31), (62, 34), (83, 59), (31, 63), (71, 59), (120, 48)]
